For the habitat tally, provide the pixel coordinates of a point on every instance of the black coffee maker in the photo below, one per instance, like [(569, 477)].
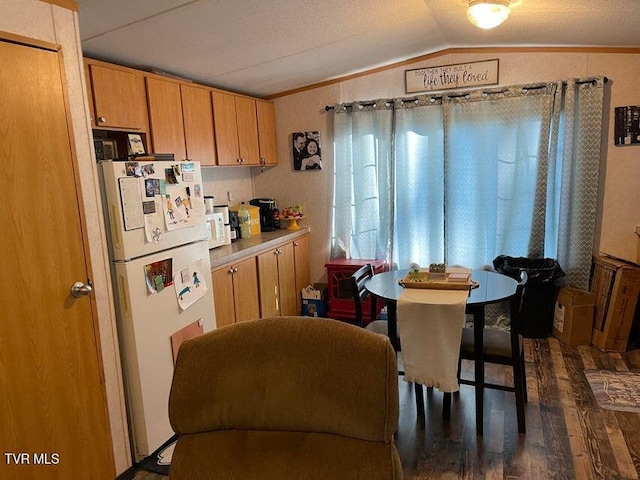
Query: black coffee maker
[(268, 220)]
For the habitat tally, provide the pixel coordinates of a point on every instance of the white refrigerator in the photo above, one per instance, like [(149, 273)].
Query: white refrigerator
[(162, 283)]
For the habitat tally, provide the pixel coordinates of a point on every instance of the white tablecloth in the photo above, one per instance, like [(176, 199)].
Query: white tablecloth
[(430, 326)]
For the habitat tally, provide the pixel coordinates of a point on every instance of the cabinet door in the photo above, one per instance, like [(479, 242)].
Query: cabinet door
[(197, 112), (92, 109), (268, 281), (165, 116), (301, 260), (119, 98), (245, 290), (226, 131), (267, 132), (247, 131), (287, 280), (222, 282)]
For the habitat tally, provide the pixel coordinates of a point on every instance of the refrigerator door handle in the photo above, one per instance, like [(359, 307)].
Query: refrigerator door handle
[(126, 308), (115, 231)]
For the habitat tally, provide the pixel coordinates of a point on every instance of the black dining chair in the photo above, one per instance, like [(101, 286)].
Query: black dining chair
[(503, 348), (360, 295)]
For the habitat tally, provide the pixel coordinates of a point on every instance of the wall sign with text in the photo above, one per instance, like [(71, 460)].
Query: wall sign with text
[(446, 77)]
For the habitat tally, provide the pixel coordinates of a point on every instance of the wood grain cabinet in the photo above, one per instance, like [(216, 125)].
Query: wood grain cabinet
[(301, 260), (277, 280), (266, 116), (165, 117), (181, 118), (197, 113), (119, 98), (236, 129), (235, 292)]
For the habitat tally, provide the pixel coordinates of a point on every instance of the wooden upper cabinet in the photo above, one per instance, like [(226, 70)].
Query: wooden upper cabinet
[(199, 136), (119, 98), (165, 117), (224, 116), (267, 132), (236, 128), (247, 130)]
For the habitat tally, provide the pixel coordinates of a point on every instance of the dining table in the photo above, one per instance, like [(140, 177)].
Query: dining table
[(488, 287)]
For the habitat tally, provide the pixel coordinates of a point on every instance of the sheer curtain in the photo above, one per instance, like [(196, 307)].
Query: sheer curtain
[(419, 168), (465, 177), (363, 179)]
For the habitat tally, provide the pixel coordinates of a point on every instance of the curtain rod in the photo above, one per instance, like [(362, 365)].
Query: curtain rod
[(535, 87)]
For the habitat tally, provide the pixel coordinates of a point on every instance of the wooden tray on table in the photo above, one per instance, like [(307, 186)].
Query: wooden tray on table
[(422, 280)]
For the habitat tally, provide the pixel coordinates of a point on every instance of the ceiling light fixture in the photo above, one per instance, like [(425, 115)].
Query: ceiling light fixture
[(488, 13)]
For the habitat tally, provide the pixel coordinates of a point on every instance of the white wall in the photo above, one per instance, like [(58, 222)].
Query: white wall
[(304, 111), (42, 21)]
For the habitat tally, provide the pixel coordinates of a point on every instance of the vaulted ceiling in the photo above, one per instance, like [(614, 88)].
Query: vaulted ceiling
[(264, 47)]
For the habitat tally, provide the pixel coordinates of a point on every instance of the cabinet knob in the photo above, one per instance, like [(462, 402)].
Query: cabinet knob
[(295, 244), (101, 119)]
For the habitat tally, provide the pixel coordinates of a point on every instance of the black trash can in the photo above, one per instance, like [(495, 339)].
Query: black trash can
[(540, 293)]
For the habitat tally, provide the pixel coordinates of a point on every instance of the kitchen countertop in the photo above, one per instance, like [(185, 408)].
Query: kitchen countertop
[(254, 245)]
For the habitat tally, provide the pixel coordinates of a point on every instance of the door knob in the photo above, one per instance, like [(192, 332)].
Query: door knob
[(79, 289)]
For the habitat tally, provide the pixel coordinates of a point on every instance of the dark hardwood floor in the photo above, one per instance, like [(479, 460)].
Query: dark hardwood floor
[(568, 435)]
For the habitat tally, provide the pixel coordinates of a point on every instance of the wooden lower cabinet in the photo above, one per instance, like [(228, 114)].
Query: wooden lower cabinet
[(265, 285), (277, 280), (301, 260), (235, 292)]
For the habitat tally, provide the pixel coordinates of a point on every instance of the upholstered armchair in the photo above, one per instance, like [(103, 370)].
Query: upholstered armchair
[(285, 398)]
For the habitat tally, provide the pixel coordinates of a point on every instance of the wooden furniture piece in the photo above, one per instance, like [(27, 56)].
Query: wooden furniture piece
[(235, 292), (119, 97), (289, 409), (262, 284), (236, 129), (492, 288), (504, 348), (192, 121), (266, 115), (277, 279), (341, 303)]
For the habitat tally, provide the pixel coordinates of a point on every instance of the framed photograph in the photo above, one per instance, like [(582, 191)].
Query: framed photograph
[(106, 149), (627, 125), (306, 151)]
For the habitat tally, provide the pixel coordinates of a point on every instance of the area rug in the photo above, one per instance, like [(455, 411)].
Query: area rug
[(160, 460), (619, 391)]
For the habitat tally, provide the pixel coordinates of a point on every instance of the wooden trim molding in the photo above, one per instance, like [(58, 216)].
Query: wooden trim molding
[(68, 4), (30, 42), (450, 51)]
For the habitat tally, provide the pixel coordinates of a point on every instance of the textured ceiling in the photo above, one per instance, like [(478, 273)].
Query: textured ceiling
[(264, 47)]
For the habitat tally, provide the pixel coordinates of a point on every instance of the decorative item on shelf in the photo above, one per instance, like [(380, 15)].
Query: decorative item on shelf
[(438, 278), (293, 213), (437, 271), (106, 149)]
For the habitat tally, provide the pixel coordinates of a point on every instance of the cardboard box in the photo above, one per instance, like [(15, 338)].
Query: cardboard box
[(616, 285), (314, 300), (573, 316), (254, 215)]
